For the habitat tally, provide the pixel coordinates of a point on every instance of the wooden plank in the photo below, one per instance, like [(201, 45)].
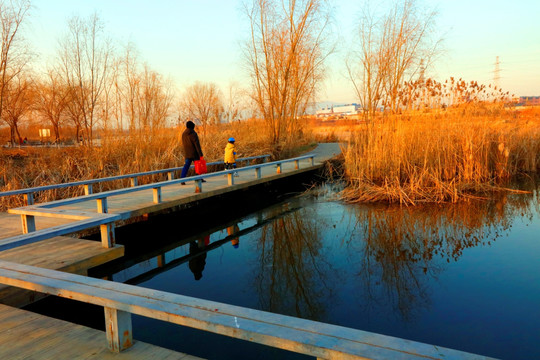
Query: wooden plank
[(299, 335), (20, 240), (43, 338), (59, 253)]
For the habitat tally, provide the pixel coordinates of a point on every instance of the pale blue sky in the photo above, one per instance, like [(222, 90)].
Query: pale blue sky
[(190, 40)]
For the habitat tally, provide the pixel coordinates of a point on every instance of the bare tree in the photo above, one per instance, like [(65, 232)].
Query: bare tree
[(14, 54), (393, 49), (154, 100), (285, 57), (51, 101), (202, 102), (18, 100), (235, 104), (85, 56)]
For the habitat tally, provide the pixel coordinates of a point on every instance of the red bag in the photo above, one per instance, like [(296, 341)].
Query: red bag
[(200, 166)]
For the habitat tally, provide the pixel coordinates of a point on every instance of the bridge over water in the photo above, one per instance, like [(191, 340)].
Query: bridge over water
[(36, 257)]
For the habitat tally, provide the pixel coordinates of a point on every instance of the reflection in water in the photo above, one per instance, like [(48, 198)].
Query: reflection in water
[(294, 276), (400, 248), (233, 230), (198, 256), (429, 273)]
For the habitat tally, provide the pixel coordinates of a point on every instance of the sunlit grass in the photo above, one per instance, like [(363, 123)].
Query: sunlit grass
[(440, 156)]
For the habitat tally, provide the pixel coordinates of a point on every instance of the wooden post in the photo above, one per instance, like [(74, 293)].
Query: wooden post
[(258, 172), (88, 189), (157, 194), (278, 168), (134, 182), (198, 186), (119, 330), (296, 164), (170, 175), (102, 205), (28, 223), (29, 198), (107, 230), (230, 178)]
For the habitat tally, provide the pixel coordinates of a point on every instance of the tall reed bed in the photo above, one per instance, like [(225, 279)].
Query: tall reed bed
[(439, 157)]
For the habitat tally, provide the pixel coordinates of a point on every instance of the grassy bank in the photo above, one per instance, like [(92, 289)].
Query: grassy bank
[(440, 156)]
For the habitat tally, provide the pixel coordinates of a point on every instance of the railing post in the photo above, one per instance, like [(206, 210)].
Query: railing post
[(198, 186), (119, 330), (28, 223), (107, 230), (88, 189), (312, 160), (170, 175), (296, 164), (157, 194), (258, 172), (134, 182), (230, 178), (278, 166), (29, 198)]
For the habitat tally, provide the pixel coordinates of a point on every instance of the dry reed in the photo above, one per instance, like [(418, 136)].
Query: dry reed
[(139, 152), (440, 156)]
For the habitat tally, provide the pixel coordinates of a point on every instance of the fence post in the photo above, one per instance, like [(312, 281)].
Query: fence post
[(119, 330), (157, 194), (29, 198), (28, 223), (296, 164), (170, 175), (312, 160), (198, 186), (230, 178), (134, 182), (88, 189), (278, 166), (258, 172), (107, 230)]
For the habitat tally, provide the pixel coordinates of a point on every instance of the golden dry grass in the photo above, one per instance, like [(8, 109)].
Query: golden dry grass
[(440, 156), (32, 166)]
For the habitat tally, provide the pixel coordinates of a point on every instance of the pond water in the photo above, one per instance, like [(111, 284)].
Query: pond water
[(464, 276)]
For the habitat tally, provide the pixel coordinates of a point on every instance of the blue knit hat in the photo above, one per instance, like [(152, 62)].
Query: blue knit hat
[(231, 139)]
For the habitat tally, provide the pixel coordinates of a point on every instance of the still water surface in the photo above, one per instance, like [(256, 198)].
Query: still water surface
[(463, 276)]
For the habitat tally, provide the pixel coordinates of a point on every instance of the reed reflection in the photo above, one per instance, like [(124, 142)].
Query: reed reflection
[(294, 276), (402, 248)]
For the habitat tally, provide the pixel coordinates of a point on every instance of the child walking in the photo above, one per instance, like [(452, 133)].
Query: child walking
[(230, 155)]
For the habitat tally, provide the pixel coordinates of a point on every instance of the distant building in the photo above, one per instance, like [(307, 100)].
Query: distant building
[(338, 110), (529, 100)]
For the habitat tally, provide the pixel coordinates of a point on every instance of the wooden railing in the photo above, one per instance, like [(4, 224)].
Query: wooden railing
[(323, 341), (28, 193), (106, 223)]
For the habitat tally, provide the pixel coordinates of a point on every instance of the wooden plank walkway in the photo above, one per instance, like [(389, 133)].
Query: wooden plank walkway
[(59, 253), (26, 335)]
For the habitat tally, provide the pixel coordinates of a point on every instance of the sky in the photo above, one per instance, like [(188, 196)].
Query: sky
[(200, 40)]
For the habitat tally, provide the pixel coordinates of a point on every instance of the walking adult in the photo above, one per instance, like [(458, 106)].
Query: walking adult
[(192, 147)]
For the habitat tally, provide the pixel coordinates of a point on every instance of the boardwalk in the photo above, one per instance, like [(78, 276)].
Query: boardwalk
[(26, 335)]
